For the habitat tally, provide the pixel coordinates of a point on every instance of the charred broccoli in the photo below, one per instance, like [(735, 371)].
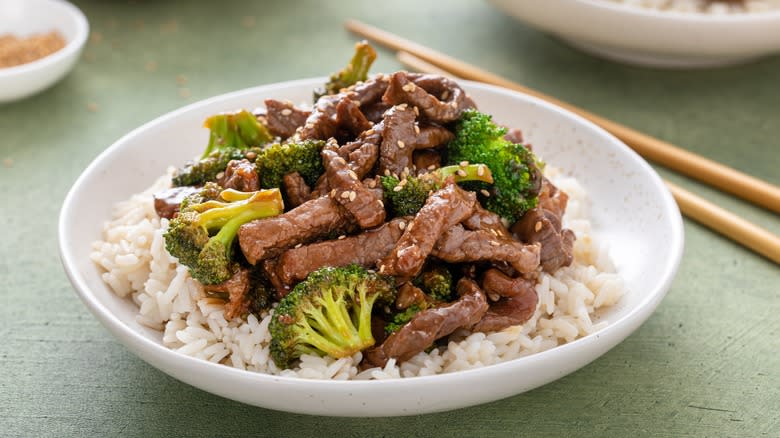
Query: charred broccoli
[(329, 313), (515, 170), (202, 235), (279, 159), (410, 197), (356, 70), (207, 169), (240, 130), (401, 318)]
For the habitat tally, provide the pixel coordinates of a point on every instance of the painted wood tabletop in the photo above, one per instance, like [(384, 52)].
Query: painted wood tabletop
[(705, 364)]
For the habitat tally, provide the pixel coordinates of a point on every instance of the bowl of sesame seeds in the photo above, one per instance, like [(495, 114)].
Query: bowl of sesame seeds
[(40, 42)]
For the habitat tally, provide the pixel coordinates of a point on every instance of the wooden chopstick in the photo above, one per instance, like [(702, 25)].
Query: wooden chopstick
[(687, 163), (692, 206)]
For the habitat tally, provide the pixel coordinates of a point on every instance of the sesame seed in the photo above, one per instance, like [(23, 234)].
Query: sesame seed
[(461, 172), (372, 183), (407, 87), (345, 195), (369, 132), (395, 175), (403, 182), (333, 193), (432, 167), (445, 95), (398, 188), (220, 175), (387, 172), (416, 111), (453, 104), (286, 112), (485, 192), (494, 243), (357, 102), (401, 225), (340, 160), (343, 236), (416, 128), (353, 174), (493, 297), (480, 170), (251, 155), (464, 163), (402, 107), (352, 196), (381, 204), (299, 245), (409, 227), (494, 232), (401, 144), (381, 269), (538, 226)]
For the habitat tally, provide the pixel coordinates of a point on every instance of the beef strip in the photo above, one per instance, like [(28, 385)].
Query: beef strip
[(283, 118), (401, 136), (442, 210), (363, 249), (166, 203), (269, 267), (347, 190), (296, 189), (497, 284), (237, 287), (422, 91), (544, 226), (426, 160), (431, 324), (458, 245), (552, 199), (432, 135), (374, 111), (264, 238), (368, 92), (240, 175), (514, 135), (507, 312), (408, 295), (486, 220), (349, 117)]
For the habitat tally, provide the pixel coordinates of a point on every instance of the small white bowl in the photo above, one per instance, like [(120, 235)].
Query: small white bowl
[(25, 17), (649, 37), (632, 211)]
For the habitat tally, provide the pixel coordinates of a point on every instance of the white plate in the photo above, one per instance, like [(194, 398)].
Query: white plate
[(23, 18), (643, 36), (632, 211)]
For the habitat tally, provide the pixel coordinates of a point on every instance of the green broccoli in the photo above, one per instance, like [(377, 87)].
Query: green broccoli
[(279, 159), (329, 313), (207, 169), (240, 130), (202, 235), (401, 318), (436, 281), (410, 198), (355, 71), (515, 169)]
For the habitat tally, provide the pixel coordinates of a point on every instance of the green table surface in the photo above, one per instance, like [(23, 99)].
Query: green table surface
[(706, 363)]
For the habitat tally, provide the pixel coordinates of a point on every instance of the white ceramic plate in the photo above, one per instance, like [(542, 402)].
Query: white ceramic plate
[(26, 17), (651, 37), (632, 211)]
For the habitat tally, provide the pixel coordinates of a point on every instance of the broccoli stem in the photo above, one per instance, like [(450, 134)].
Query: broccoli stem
[(469, 172)]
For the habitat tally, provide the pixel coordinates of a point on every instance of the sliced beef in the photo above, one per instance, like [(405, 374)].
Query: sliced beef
[(507, 312), (239, 175), (426, 160), (363, 153), (439, 99), (432, 135), (543, 226), (497, 284), (296, 189), (409, 295), (363, 249), (269, 267), (514, 135), (431, 324), (166, 203), (349, 117), (368, 92), (374, 111), (487, 221), (321, 123), (398, 138), (458, 245), (237, 289), (283, 118), (348, 190), (264, 238), (552, 199), (445, 208)]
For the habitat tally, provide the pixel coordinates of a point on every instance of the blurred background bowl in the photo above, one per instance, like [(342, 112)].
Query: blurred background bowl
[(23, 18), (650, 37)]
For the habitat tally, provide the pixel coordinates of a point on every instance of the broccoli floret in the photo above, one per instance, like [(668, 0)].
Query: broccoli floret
[(207, 169), (515, 170), (401, 318), (279, 159), (239, 130), (410, 198), (202, 235), (356, 70), (436, 281), (329, 313)]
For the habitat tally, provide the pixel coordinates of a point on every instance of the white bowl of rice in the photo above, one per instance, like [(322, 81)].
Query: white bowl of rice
[(659, 33), (629, 245)]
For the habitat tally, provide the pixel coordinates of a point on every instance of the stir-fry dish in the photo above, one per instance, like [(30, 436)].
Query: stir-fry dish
[(368, 226)]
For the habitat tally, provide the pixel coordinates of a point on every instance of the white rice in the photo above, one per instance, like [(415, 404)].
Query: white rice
[(704, 6), (136, 263)]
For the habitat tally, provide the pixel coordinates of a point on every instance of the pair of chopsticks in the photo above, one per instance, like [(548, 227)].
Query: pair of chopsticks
[(427, 60)]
